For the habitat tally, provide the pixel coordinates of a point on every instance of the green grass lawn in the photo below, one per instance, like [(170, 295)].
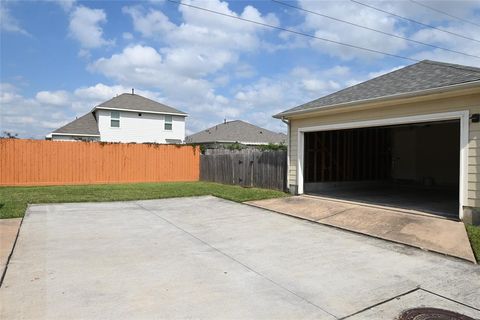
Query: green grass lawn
[(474, 236), (14, 200)]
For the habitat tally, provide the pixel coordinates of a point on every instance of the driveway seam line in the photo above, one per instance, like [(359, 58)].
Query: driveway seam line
[(381, 302), (237, 261), (450, 299)]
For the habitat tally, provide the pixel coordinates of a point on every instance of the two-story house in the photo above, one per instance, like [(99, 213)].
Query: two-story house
[(126, 118)]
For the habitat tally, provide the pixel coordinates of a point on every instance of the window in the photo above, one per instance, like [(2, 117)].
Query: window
[(168, 123), (115, 119)]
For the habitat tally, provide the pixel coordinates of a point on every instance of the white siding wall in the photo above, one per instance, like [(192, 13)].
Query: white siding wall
[(134, 128)]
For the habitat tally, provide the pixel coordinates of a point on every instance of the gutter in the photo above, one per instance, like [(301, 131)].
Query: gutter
[(74, 134), (241, 142), (465, 85)]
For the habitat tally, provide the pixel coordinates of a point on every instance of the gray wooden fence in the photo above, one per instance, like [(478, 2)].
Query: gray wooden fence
[(262, 169)]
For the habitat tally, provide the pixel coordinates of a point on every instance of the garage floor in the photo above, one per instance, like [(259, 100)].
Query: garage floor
[(439, 202), (214, 259)]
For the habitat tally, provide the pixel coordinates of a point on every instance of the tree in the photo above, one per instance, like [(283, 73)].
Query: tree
[(9, 135)]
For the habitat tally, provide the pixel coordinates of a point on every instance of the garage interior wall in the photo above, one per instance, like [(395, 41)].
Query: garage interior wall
[(425, 154)]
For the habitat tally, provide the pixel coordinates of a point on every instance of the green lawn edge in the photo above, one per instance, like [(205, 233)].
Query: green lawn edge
[(474, 237), (14, 200)]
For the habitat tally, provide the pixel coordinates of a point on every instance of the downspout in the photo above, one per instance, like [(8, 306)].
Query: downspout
[(287, 122)]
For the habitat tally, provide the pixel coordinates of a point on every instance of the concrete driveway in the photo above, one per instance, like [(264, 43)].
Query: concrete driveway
[(210, 258)]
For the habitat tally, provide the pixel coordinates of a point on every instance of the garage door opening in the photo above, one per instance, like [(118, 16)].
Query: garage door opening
[(412, 166)]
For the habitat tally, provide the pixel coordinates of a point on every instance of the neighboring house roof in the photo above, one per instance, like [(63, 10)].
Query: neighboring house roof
[(134, 102), (420, 76), (85, 125), (236, 131)]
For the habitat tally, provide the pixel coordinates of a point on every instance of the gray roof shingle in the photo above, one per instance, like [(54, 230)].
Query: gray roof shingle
[(86, 124), (236, 131), (130, 101), (416, 77)]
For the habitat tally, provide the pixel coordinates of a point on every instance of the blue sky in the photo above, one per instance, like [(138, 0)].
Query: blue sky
[(61, 58)]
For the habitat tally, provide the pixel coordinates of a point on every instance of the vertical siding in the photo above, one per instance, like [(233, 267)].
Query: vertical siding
[(33, 162)]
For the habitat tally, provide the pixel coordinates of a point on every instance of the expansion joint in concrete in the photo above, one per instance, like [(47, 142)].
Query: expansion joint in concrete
[(381, 302), (450, 299)]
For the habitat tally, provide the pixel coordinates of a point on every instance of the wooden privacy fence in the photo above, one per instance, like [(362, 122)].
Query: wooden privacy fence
[(262, 169), (36, 162)]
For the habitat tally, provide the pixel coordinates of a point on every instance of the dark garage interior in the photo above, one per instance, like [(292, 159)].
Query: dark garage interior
[(413, 166)]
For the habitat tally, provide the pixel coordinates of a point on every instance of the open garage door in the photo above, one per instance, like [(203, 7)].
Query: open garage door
[(412, 166)]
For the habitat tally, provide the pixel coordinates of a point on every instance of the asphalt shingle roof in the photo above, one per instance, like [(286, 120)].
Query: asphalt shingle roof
[(86, 124), (236, 131), (416, 77), (130, 101)]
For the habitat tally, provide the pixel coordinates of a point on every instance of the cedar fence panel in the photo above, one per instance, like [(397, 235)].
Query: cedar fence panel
[(37, 162), (262, 169)]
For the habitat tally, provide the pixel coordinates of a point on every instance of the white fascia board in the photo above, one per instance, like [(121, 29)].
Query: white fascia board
[(143, 111)]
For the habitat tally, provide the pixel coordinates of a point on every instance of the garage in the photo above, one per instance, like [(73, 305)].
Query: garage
[(408, 139), (411, 166)]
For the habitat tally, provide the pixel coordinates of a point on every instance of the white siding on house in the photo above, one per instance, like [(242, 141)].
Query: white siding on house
[(148, 127)]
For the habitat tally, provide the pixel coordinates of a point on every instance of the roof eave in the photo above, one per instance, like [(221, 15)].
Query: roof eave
[(139, 110), (466, 85), (74, 134)]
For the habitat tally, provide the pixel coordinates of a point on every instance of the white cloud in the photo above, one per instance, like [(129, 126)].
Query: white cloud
[(85, 27), (151, 23), (265, 97), (454, 43), (8, 23), (127, 36), (203, 43), (55, 98), (28, 117), (86, 98), (66, 5), (341, 32), (361, 15)]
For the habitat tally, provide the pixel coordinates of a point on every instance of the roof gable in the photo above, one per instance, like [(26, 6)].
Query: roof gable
[(420, 76), (134, 102), (236, 131)]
